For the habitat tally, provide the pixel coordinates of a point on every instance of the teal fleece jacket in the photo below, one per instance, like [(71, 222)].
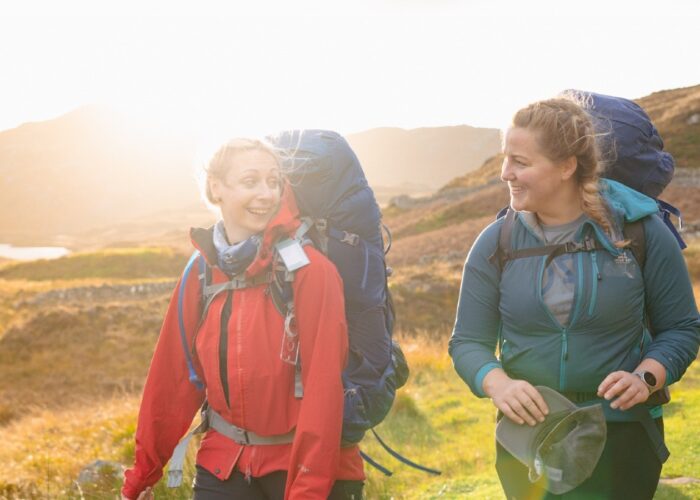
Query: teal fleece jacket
[(605, 331)]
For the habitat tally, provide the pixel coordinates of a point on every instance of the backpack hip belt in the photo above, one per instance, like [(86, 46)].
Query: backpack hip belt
[(242, 436), (212, 420)]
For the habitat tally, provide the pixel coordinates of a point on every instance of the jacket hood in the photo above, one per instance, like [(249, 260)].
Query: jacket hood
[(626, 204), (282, 225)]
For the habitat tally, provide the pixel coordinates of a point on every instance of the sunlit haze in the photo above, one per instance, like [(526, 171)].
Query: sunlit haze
[(226, 70)]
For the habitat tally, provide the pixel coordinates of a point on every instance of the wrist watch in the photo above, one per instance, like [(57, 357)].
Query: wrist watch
[(648, 378)]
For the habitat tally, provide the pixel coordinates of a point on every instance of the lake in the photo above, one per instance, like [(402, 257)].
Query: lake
[(31, 253)]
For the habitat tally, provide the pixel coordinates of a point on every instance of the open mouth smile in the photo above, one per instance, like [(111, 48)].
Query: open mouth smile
[(259, 211)]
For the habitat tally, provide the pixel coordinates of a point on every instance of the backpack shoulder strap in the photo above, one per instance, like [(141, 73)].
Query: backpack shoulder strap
[(502, 253), (282, 295), (193, 377), (634, 231)]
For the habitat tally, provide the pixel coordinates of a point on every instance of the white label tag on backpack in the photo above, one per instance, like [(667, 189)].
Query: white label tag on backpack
[(292, 254)]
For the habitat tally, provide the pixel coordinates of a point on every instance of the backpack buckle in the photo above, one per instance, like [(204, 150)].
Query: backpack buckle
[(350, 238), (321, 225), (588, 245), (573, 247)]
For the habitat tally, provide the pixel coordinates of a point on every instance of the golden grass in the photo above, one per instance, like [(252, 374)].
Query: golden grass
[(119, 263), (43, 453)]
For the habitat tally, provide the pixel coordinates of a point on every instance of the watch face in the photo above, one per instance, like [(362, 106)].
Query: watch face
[(649, 378)]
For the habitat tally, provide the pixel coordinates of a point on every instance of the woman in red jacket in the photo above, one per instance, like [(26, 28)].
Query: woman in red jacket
[(238, 354)]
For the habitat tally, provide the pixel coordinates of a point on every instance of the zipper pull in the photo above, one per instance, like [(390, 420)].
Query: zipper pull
[(594, 261)]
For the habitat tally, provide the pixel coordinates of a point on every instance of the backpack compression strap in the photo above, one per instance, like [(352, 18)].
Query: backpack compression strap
[(667, 210)]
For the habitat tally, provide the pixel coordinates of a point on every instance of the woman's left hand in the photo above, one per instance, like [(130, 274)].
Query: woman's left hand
[(626, 388)]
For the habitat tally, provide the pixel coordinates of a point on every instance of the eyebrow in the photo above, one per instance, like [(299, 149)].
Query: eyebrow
[(276, 171), (520, 157)]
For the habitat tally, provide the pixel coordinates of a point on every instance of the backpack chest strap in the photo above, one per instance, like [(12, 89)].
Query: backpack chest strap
[(236, 283), (553, 251)]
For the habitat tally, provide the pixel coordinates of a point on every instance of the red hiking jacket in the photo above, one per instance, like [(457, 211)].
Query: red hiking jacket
[(260, 384)]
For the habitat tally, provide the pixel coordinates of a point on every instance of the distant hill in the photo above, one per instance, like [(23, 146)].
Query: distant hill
[(676, 114), (82, 175), (428, 156), (90, 167)]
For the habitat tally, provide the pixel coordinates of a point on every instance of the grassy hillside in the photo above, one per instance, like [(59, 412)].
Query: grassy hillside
[(676, 114)]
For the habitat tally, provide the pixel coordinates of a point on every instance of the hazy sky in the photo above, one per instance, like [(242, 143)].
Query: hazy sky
[(234, 67)]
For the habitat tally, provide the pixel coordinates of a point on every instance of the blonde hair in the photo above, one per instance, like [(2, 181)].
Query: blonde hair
[(223, 159), (564, 129)]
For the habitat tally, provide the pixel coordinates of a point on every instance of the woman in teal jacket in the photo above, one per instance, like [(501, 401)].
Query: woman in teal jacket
[(575, 323)]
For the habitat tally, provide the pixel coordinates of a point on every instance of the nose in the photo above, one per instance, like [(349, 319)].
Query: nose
[(265, 192), (507, 173)]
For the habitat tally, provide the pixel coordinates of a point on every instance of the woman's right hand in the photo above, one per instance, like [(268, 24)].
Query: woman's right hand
[(146, 494), (517, 399)]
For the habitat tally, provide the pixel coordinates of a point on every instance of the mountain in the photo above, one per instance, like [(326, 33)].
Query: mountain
[(80, 176), (90, 167), (428, 156)]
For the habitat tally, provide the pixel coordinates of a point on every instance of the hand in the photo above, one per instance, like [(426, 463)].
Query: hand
[(517, 399), (146, 494), (628, 389)]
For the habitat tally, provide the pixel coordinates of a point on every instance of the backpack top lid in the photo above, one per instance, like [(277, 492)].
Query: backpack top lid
[(631, 147), (328, 180)]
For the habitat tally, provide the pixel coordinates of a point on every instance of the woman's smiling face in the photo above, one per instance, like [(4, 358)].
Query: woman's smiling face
[(533, 179), (249, 194)]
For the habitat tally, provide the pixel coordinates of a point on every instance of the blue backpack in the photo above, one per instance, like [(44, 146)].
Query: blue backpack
[(341, 218), (344, 222), (632, 149)]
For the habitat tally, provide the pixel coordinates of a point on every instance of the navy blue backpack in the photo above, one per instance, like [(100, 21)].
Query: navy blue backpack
[(632, 149), (333, 195)]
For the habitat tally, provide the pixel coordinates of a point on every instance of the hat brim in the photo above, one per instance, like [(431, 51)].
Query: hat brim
[(518, 439)]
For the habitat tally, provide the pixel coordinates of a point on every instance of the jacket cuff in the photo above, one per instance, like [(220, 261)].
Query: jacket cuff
[(481, 374), (670, 379)]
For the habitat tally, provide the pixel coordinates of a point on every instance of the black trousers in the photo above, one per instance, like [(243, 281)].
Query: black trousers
[(628, 468), (270, 487)]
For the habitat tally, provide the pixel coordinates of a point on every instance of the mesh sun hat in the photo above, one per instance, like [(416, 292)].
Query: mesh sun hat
[(565, 448)]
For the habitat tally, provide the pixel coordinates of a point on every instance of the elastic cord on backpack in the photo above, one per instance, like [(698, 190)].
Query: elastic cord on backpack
[(403, 459), (376, 465)]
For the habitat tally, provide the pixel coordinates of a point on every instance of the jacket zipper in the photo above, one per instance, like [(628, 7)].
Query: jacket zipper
[(564, 358), (596, 277), (564, 331), (223, 346)]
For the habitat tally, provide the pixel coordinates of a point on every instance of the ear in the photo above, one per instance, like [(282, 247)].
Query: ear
[(568, 168), (215, 189)]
